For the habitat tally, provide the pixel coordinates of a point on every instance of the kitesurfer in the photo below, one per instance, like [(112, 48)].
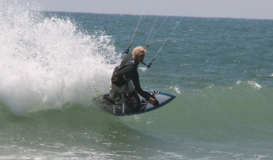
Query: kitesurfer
[(125, 78)]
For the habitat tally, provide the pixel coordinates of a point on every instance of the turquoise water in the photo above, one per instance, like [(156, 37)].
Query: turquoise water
[(53, 64)]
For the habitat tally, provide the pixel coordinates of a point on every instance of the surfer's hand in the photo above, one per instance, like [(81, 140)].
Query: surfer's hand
[(151, 100)]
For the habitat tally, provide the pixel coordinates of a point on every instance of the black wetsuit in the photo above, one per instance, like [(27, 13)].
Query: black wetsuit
[(128, 71)]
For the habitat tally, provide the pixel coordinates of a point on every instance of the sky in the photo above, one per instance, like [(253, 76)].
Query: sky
[(249, 9)]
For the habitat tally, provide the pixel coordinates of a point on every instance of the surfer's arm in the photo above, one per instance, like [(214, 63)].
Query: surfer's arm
[(138, 88)]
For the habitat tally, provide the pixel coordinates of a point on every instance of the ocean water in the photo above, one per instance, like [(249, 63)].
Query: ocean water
[(52, 65)]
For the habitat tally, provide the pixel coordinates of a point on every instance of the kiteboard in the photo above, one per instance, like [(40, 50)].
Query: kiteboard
[(137, 106)]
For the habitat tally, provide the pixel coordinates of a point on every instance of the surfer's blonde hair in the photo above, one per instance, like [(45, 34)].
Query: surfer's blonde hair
[(139, 53)]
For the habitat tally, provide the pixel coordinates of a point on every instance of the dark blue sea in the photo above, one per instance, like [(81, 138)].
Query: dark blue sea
[(54, 63)]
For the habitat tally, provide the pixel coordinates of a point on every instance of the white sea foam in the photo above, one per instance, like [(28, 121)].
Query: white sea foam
[(47, 62), (238, 82), (176, 89), (143, 69), (254, 84)]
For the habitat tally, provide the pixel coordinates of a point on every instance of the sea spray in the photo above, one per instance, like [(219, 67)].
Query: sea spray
[(47, 62)]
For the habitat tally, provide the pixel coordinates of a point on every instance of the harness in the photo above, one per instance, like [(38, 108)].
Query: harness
[(119, 80)]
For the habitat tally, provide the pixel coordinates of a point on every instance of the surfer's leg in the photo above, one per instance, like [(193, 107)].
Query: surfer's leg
[(117, 93), (130, 87), (130, 90)]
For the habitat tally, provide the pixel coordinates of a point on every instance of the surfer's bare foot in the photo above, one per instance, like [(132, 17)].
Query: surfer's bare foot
[(151, 100)]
